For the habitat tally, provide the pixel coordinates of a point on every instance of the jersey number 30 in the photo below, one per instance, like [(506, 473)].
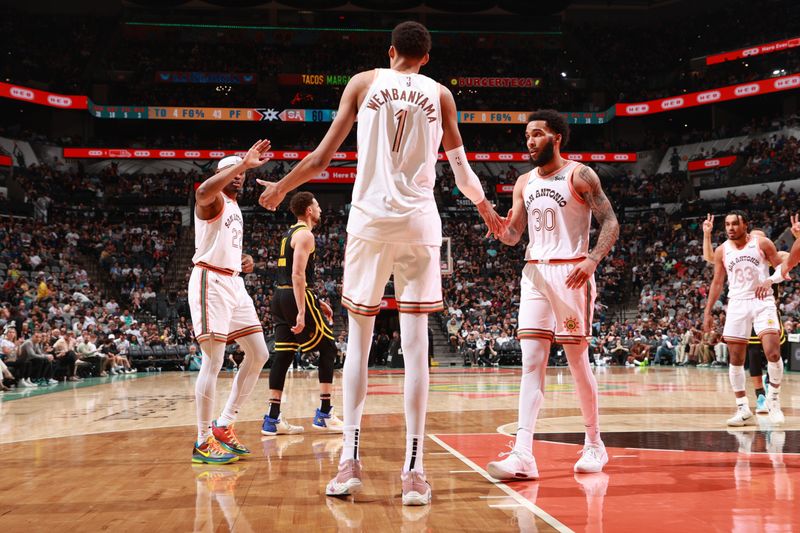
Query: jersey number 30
[(544, 219)]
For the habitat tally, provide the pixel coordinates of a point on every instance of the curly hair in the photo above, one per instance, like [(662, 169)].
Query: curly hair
[(555, 121), (411, 39)]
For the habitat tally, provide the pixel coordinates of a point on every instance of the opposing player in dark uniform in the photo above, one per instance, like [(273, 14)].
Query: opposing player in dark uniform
[(302, 321)]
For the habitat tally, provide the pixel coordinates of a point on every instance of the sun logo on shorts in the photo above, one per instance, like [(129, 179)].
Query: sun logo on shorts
[(571, 324), (770, 322)]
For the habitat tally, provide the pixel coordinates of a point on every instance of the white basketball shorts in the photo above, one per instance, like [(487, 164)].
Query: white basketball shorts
[(742, 316), (220, 306), (369, 264), (549, 309)]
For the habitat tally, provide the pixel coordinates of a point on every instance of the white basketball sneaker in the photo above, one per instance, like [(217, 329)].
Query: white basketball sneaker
[(743, 417), (516, 465), (774, 406), (593, 459)]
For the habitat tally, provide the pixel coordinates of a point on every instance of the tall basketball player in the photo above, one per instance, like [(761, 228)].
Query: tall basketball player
[(222, 311), (302, 321), (556, 199), (393, 228), (744, 259)]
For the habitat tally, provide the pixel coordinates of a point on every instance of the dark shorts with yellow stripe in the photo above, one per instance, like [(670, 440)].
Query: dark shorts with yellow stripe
[(284, 313)]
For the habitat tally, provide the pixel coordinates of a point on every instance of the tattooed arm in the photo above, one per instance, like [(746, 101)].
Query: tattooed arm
[(587, 186)]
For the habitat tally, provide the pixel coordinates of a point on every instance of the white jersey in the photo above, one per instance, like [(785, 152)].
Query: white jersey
[(218, 242), (399, 133), (558, 219), (746, 269)]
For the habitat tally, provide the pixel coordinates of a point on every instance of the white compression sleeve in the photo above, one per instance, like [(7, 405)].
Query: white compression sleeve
[(777, 276), (466, 180)]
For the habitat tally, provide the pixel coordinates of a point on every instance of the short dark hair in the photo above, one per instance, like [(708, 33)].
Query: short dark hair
[(555, 121), (411, 39), (739, 213), (300, 202)]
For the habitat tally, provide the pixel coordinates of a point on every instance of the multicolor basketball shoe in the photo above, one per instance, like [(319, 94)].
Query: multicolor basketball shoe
[(227, 438), (211, 452)]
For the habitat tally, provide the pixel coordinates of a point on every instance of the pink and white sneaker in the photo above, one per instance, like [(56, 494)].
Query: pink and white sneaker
[(416, 489), (347, 481), (516, 465), (593, 459)]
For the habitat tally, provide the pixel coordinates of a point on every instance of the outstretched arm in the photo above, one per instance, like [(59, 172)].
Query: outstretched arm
[(320, 158), (466, 180), (207, 201), (587, 185)]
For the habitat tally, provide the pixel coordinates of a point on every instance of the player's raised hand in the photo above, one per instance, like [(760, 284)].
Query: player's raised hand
[(271, 197), (708, 223), (258, 154), (494, 222), (300, 323), (795, 220)]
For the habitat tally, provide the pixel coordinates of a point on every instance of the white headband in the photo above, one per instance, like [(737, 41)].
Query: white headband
[(229, 161)]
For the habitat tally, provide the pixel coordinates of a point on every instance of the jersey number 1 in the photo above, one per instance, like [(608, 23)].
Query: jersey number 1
[(401, 125)]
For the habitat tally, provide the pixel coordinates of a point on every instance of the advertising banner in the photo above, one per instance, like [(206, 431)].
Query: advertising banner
[(706, 164), (336, 175), (296, 155), (759, 49), (223, 78), (521, 117), (711, 96), (313, 79), (35, 96), (497, 83)]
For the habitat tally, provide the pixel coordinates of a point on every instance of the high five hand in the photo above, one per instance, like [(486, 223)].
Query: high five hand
[(257, 154)]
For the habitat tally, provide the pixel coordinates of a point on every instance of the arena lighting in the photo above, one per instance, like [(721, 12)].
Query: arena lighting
[(340, 30)]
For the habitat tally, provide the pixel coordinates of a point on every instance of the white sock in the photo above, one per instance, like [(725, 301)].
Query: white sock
[(531, 390), (586, 386), (742, 403), (414, 341), (205, 389), (775, 373), (255, 356), (354, 381)]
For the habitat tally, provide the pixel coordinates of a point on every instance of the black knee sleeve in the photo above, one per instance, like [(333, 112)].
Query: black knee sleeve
[(755, 356), (281, 360), (327, 357)]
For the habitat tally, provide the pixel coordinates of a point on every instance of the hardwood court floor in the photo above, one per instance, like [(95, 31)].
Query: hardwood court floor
[(115, 457)]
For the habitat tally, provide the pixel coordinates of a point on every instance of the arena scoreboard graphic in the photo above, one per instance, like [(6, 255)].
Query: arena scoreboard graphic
[(252, 114)]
